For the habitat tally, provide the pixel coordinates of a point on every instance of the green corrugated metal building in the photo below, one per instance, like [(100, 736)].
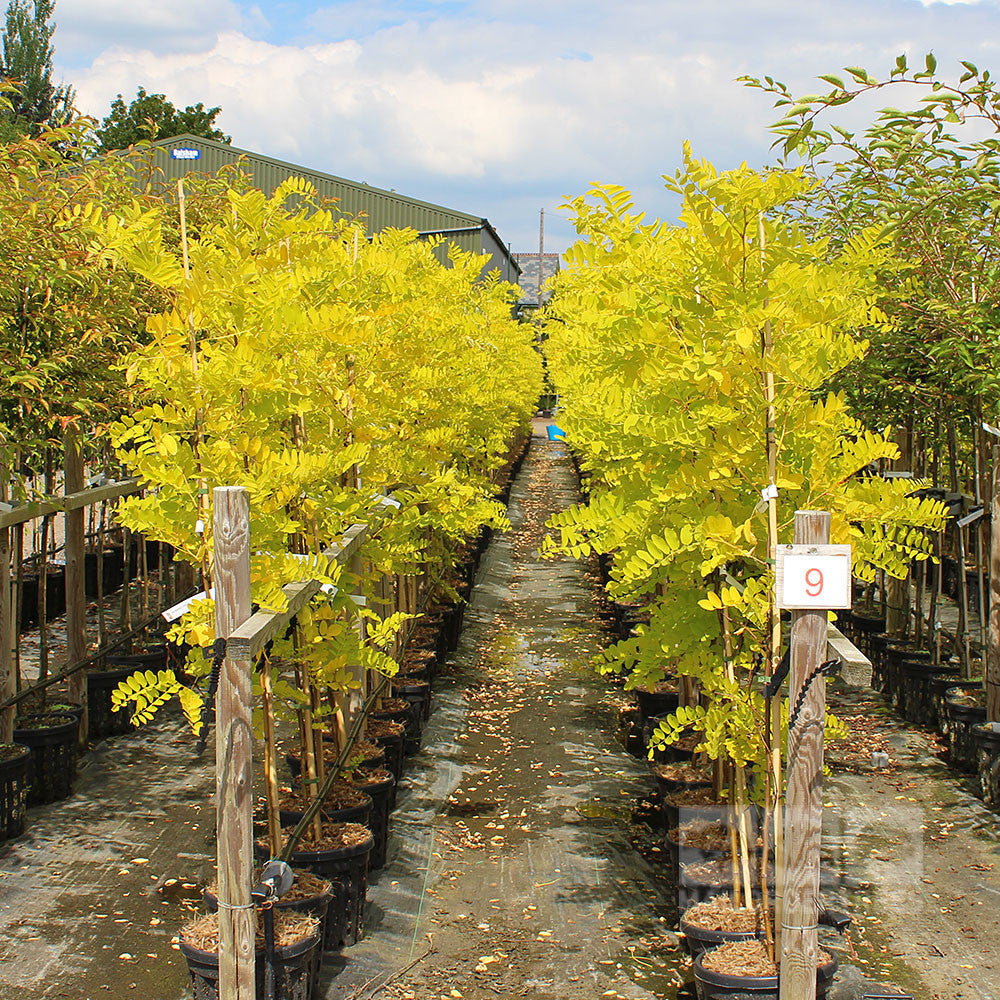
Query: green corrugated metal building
[(183, 154)]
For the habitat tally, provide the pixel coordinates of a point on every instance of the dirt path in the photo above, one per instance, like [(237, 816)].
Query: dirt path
[(510, 858)]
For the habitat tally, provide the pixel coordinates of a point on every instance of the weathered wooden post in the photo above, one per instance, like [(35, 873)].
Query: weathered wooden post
[(813, 576), (8, 633), (76, 596), (993, 638), (233, 747)]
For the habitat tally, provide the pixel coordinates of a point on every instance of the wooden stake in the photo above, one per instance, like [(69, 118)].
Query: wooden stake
[(233, 761), (76, 596), (270, 763), (963, 605), (993, 640), (804, 800), (980, 495), (772, 651), (8, 679)]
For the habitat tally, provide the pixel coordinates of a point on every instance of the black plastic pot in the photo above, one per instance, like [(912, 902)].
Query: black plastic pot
[(28, 617), (15, 777), (393, 747), (654, 703), (353, 814), (896, 654), (916, 698), (940, 686), (293, 970), (865, 628), (962, 720), (381, 796), (52, 769), (877, 646), (347, 869), (55, 592), (700, 939), (102, 722), (987, 740), (314, 906), (418, 694), (715, 986)]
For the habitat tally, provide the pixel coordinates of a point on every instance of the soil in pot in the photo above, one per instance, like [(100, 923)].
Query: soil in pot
[(369, 754), (671, 778), (344, 804), (715, 921), (702, 880), (15, 768), (296, 938), (52, 740)]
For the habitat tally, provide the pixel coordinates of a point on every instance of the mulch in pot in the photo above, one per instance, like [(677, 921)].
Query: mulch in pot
[(289, 928), (748, 958), (717, 914)]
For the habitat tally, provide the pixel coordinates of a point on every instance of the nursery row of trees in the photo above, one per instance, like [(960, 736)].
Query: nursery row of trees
[(798, 331), (215, 336)]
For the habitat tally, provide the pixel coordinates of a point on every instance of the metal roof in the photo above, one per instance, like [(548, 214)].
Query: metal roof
[(380, 209)]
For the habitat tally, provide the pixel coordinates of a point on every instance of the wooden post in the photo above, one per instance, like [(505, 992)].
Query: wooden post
[(76, 597), (804, 800), (233, 764), (963, 604), (993, 641), (8, 678), (897, 614), (357, 697)]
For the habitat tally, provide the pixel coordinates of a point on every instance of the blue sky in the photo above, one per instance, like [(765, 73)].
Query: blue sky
[(499, 107)]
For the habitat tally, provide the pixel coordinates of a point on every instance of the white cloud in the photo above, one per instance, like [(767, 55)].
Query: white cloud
[(498, 107), (86, 26)]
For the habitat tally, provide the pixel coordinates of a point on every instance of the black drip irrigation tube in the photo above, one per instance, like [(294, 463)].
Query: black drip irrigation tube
[(85, 662)]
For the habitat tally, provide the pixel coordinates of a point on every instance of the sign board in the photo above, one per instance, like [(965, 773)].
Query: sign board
[(185, 153), (813, 577)]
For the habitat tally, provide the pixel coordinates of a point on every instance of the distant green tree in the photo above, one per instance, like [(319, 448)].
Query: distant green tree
[(152, 116), (26, 63)]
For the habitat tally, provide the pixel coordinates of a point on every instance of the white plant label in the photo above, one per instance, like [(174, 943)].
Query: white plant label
[(813, 577)]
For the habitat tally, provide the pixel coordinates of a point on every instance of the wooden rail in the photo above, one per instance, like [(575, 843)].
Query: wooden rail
[(856, 668), (78, 499), (248, 640)]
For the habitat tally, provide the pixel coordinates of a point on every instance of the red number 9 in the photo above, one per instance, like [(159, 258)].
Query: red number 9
[(814, 581)]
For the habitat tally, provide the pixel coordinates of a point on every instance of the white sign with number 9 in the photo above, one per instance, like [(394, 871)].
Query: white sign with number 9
[(813, 576)]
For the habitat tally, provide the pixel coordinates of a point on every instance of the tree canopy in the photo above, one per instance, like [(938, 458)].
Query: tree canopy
[(152, 116), (36, 102)]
